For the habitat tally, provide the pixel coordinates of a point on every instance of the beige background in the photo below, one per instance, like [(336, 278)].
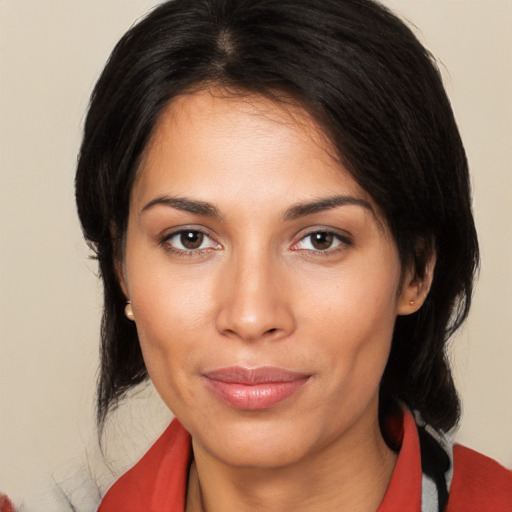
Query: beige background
[(50, 301)]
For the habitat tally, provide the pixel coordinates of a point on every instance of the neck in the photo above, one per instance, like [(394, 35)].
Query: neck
[(351, 474)]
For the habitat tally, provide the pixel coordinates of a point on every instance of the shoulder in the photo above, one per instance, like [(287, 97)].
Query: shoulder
[(5, 504), (479, 483), (158, 480)]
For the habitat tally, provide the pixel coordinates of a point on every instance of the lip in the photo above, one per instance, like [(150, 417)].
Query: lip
[(254, 388)]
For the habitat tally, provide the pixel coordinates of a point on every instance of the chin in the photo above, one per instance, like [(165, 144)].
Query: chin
[(257, 444), (259, 457)]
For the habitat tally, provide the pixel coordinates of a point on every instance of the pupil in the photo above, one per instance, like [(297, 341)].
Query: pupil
[(192, 239), (321, 241)]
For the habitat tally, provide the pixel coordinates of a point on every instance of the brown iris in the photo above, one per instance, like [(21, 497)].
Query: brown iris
[(322, 241), (191, 239)]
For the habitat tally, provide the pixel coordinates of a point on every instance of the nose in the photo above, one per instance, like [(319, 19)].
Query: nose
[(254, 300)]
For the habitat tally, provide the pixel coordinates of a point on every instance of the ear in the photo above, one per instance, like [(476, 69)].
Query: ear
[(118, 259), (416, 285), (121, 277)]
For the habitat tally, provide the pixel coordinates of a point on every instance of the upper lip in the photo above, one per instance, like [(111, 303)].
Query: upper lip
[(253, 376)]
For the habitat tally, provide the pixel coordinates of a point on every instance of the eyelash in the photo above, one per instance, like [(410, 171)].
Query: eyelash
[(166, 243), (343, 242)]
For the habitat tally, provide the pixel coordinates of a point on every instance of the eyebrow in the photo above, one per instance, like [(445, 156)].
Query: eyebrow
[(294, 212), (328, 203), (186, 205)]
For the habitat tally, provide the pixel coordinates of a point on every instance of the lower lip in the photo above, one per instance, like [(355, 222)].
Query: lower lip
[(254, 396)]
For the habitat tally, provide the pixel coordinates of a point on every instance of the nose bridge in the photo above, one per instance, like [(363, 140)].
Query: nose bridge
[(254, 301)]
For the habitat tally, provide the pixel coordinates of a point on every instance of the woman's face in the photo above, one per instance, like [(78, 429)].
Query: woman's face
[(263, 280)]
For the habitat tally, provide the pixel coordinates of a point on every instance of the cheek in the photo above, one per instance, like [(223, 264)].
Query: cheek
[(170, 352), (358, 298), (173, 317), (352, 316), (168, 298)]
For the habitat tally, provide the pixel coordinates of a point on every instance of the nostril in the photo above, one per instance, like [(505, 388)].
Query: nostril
[(270, 331)]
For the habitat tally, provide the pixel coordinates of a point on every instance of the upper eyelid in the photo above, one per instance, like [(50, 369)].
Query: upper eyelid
[(343, 236), (340, 233), (164, 239), (169, 233)]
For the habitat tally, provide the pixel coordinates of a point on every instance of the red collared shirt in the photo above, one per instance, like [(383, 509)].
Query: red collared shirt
[(158, 482)]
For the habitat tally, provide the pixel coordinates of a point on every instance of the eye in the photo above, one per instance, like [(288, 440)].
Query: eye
[(189, 240), (322, 241)]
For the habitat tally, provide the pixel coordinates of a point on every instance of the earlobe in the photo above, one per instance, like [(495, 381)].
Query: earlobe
[(128, 311), (411, 301)]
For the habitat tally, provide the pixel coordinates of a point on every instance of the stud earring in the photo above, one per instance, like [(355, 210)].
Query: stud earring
[(128, 311), (411, 303)]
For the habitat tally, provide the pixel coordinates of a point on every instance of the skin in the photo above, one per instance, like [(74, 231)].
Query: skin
[(259, 292)]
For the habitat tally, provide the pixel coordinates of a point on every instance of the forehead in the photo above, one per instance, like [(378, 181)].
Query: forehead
[(213, 144)]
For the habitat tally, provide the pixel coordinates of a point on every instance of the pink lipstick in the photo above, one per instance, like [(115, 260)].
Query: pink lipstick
[(254, 388)]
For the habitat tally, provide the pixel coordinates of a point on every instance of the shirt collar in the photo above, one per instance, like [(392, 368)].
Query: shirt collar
[(159, 480)]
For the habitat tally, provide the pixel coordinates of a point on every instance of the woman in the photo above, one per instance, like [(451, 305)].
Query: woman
[(279, 201)]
